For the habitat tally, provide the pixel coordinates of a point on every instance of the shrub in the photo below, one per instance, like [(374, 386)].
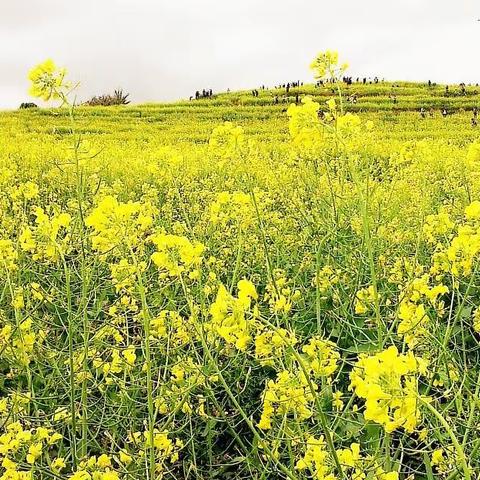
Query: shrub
[(118, 98)]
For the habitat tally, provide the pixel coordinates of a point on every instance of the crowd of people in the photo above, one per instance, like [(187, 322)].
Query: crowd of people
[(444, 112), (353, 98), (205, 93)]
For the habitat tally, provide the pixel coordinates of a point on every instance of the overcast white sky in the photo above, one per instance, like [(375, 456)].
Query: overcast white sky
[(167, 49)]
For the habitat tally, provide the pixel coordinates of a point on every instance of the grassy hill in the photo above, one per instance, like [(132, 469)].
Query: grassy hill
[(191, 122)]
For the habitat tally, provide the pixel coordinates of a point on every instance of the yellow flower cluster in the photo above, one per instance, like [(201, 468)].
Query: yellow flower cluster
[(364, 300), (305, 128), (321, 357), (279, 294), (326, 65), (49, 237), (318, 460), (227, 140), (288, 395), (234, 208), (459, 254), (171, 326), (273, 344), (114, 224), (232, 318), (94, 468), (20, 446), (388, 382), (293, 391), (165, 449), (8, 255), (47, 81), (17, 343), (437, 227), (412, 310), (176, 255)]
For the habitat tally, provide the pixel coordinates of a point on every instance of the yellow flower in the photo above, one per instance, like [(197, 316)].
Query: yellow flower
[(388, 383), (34, 451), (322, 357), (104, 461), (472, 211), (176, 254), (364, 300), (125, 458), (230, 315), (48, 81), (288, 394), (57, 465)]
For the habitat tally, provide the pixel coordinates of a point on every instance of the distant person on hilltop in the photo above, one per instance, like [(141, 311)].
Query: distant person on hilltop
[(444, 113), (474, 120), (422, 113)]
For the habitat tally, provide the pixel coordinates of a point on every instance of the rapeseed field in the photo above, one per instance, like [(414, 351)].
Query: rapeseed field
[(242, 287)]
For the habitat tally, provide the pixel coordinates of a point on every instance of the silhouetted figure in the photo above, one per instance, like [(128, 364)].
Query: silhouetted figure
[(288, 87), (446, 90), (422, 113), (275, 99), (475, 112), (197, 95), (444, 113), (297, 98), (364, 80), (429, 83), (25, 105)]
